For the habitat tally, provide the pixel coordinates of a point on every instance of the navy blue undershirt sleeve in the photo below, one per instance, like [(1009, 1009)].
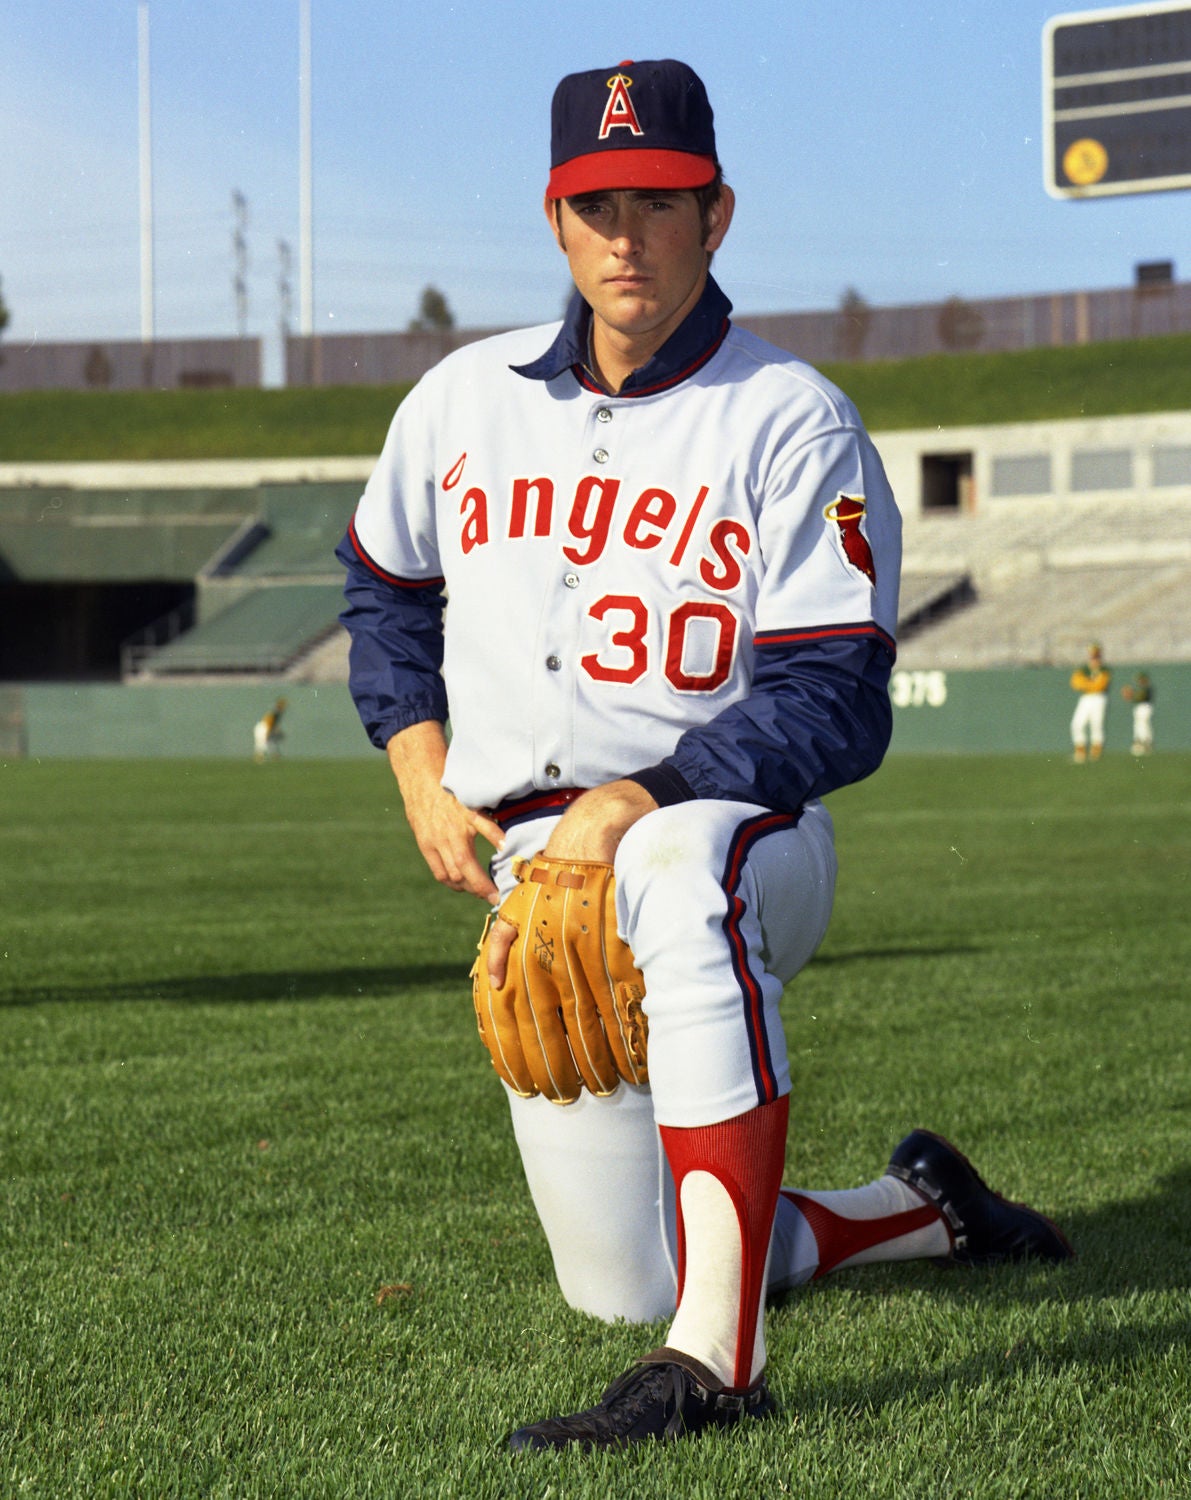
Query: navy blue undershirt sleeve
[(818, 717), (664, 785), (395, 662)]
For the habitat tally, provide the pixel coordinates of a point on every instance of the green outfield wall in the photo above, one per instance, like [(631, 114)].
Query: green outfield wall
[(1026, 709), (110, 721)]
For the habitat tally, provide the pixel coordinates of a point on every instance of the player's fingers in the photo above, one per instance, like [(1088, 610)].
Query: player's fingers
[(448, 847), (462, 873), (489, 830), (466, 873), (500, 940), (478, 882)]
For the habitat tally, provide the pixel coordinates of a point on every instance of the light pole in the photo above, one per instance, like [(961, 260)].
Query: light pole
[(305, 184), (146, 165)]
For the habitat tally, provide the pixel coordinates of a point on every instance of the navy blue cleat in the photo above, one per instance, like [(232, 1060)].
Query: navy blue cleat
[(664, 1396), (986, 1228)]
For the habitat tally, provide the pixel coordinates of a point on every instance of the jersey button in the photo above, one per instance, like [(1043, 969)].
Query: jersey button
[(603, 415), (600, 455), (553, 771), (571, 580), (554, 663)]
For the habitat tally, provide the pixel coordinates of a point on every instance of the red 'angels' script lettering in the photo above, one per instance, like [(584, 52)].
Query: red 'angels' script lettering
[(587, 525), (597, 513), (452, 476), (728, 574), (689, 526), (474, 510), (649, 518), (543, 515)]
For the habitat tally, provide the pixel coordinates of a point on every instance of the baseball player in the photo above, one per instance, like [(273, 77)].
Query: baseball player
[(1140, 693), (266, 733), (1087, 722), (671, 558)]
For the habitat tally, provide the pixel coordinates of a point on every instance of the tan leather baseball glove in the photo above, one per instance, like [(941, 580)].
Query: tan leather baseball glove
[(568, 1016)]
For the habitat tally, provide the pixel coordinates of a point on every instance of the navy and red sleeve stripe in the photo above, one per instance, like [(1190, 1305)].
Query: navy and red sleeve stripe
[(817, 718), (766, 639), (359, 553), (395, 625)]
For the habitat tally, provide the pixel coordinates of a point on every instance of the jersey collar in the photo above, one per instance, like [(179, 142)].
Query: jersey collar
[(687, 349)]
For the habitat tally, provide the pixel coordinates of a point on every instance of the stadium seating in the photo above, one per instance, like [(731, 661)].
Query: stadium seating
[(304, 523), (60, 533), (1048, 576), (263, 631), (271, 594)]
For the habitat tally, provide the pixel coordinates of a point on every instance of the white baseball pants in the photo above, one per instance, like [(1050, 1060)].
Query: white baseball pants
[(722, 903)]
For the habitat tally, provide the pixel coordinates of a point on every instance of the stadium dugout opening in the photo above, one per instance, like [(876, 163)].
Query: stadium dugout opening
[(81, 569)]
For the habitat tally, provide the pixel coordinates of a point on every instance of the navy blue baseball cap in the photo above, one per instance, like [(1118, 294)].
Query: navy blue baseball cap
[(637, 125)]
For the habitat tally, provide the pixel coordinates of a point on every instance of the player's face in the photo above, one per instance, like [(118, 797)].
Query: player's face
[(639, 259)]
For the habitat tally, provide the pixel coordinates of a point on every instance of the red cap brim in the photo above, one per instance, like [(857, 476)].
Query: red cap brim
[(601, 171)]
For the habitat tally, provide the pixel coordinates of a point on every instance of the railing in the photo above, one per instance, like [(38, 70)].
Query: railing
[(138, 648)]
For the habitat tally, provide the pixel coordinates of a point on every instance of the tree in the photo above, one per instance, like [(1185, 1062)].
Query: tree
[(97, 369), (961, 326), (3, 308), (855, 318), (434, 313)]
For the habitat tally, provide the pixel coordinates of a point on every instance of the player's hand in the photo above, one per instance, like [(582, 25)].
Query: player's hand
[(594, 824), (445, 830)]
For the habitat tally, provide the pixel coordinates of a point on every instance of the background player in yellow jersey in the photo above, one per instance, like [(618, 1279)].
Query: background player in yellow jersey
[(266, 733), (1087, 723)]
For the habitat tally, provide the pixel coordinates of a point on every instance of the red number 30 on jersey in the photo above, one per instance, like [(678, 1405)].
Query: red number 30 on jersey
[(628, 650)]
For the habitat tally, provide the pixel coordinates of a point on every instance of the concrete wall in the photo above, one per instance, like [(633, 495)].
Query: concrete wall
[(1014, 464), (1027, 710)]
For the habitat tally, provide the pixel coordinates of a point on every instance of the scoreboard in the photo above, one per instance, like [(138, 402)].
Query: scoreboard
[(1117, 100)]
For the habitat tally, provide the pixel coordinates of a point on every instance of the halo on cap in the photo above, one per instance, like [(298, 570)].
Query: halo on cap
[(638, 125)]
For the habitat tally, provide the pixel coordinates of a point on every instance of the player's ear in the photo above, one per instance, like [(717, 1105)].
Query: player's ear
[(719, 216), (553, 207)]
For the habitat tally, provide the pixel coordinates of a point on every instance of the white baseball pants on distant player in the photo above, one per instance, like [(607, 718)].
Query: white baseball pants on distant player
[(1088, 719)]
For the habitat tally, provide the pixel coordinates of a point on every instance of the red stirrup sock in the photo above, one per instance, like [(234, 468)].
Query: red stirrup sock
[(902, 1234), (726, 1179)]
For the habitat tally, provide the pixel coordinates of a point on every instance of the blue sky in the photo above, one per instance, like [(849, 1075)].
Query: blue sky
[(892, 147)]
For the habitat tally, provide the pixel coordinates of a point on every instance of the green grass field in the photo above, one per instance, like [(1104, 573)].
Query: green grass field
[(1033, 385), (262, 1226)]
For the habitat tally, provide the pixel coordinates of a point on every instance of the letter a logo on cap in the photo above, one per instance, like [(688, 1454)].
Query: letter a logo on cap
[(619, 112)]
